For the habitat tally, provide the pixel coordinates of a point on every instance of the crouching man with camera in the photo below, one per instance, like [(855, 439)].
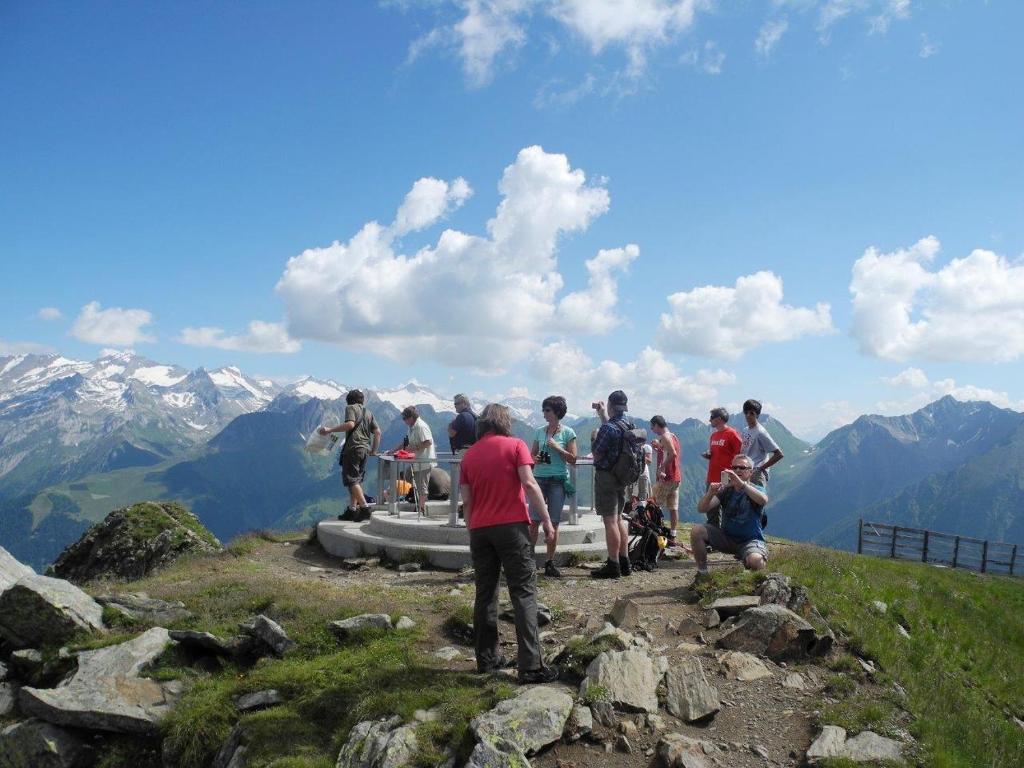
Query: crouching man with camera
[(741, 503)]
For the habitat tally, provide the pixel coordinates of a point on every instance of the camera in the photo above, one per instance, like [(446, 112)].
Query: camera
[(595, 405)]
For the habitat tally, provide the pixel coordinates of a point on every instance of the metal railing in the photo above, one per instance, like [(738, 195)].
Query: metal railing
[(390, 468), (897, 541)]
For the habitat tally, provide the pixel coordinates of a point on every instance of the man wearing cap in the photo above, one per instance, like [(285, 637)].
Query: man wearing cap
[(609, 493), (462, 430), (724, 443)]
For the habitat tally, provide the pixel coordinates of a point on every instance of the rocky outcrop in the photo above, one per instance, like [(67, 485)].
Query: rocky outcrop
[(39, 610), (865, 747), (772, 631), (690, 696), (531, 720), (35, 744), (141, 607), (497, 754), (378, 744), (628, 678), (11, 570), (106, 693), (346, 627), (131, 542)]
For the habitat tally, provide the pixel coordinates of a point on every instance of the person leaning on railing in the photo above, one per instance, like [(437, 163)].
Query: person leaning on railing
[(495, 478)]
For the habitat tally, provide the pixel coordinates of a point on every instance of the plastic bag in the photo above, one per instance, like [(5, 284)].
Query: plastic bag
[(317, 443)]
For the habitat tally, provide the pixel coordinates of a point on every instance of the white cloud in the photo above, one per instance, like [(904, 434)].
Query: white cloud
[(50, 313), (592, 310), (970, 309), (892, 10), (482, 301), (22, 348), (262, 337), (427, 201), (768, 37), (928, 48), (883, 13), (486, 31), (653, 383), (924, 391), (709, 59), (114, 326), (723, 322)]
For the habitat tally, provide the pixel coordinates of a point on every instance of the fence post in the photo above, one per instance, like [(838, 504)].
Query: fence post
[(956, 550), (924, 554), (984, 555), (1013, 558), (860, 536), (892, 551)]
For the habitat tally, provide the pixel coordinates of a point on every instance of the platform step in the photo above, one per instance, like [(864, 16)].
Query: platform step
[(437, 531)]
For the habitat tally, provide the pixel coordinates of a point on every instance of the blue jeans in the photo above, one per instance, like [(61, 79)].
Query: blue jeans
[(553, 490)]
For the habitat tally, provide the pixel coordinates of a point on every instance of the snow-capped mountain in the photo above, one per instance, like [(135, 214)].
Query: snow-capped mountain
[(414, 393), (308, 387), (62, 418)]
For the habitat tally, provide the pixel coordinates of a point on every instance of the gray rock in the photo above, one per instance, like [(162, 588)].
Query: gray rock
[(448, 653), (38, 610), (712, 618), (732, 606), (630, 679), (623, 639), (879, 606), (689, 628), (531, 720), (378, 744), (35, 744), (760, 751), (579, 724), (26, 663), (8, 698), (622, 744), (270, 633), (106, 693), (775, 589), (773, 631), (346, 627), (794, 681), (690, 696), (678, 751), (202, 642), (624, 613), (258, 700), (828, 743), (743, 667), (498, 754), (404, 622), (409, 568), (11, 570), (3, 671), (604, 713), (225, 757), (869, 747), (902, 631), (142, 607)]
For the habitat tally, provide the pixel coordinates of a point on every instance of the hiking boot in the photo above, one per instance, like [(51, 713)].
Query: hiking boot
[(542, 675), (702, 577), (495, 666), (551, 570), (349, 515), (362, 514), (610, 570), (671, 543), (625, 567)]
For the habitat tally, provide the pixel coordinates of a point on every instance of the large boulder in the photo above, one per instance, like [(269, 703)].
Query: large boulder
[(690, 696), (106, 693), (141, 607), (378, 744), (531, 720), (131, 542), (772, 631), (678, 751), (11, 569), (35, 744), (628, 678), (38, 610), (497, 754), (865, 747)]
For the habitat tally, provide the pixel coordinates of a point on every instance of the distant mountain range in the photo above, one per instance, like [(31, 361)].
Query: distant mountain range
[(78, 439)]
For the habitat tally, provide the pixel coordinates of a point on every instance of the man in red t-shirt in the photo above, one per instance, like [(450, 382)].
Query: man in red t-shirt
[(724, 443), (495, 471)]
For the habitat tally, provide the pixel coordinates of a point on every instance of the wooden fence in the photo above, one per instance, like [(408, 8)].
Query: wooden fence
[(885, 540)]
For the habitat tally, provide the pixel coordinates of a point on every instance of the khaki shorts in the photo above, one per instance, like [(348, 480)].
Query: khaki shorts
[(666, 494), (422, 479), (609, 496), (742, 549)]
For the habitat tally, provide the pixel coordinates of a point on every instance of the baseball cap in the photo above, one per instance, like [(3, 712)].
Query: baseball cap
[(618, 399)]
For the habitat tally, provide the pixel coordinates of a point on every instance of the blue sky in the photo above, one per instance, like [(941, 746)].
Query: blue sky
[(162, 164)]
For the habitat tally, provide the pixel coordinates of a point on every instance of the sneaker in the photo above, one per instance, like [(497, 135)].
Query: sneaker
[(349, 515), (625, 567), (610, 570), (362, 514), (542, 675), (498, 664), (551, 570)]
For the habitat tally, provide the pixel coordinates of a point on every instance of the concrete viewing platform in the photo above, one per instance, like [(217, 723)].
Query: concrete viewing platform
[(406, 535)]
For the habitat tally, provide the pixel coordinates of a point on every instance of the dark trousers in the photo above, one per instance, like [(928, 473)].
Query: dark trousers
[(494, 548)]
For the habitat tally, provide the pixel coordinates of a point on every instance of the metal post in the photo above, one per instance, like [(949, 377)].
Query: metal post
[(453, 511), (956, 550), (892, 552), (392, 466), (984, 555), (574, 504), (924, 554), (860, 536), (1013, 558)]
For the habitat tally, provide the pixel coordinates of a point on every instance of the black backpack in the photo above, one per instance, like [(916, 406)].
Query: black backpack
[(630, 464)]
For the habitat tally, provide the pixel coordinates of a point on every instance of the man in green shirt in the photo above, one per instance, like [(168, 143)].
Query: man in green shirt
[(362, 441)]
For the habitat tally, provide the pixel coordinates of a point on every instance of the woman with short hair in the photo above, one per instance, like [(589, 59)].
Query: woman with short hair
[(495, 473), (554, 448)]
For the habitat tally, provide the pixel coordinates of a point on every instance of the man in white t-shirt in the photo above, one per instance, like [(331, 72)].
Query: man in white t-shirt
[(420, 442), (758, 444)]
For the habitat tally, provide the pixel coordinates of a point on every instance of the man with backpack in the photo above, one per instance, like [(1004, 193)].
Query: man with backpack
[(618, 460), (362, 440)]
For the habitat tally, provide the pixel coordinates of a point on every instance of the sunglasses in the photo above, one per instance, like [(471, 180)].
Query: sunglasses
[(740, 467)]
